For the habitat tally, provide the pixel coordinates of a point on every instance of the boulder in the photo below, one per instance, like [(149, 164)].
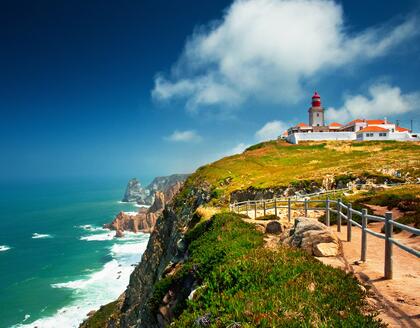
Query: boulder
[(274, 227), (313, 237), (326, 249), (119, 234)]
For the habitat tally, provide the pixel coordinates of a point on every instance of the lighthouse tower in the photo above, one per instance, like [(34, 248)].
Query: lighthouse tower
[(316, 112)]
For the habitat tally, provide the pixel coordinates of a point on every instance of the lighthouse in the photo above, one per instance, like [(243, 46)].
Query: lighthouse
[(316, 112)]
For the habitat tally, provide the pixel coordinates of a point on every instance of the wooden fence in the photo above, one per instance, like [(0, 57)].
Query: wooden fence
[(343, 211)]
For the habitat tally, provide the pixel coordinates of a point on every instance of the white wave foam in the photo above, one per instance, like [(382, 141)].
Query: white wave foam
[(110, 235), (131, 213), (99, 237), (97, 288), (36, 235), (4, 248), (89, 227), (138, 205)]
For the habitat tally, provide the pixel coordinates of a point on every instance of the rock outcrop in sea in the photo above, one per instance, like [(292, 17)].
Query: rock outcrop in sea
[(145, 219), (145, 196)]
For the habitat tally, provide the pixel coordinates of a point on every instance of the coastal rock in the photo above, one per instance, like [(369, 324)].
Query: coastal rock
[(119, 234), (134, 191), (313, 237), (145, 219), (162, 248), (169, 185)]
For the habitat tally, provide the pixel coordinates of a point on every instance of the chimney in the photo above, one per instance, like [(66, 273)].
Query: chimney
[(385, 120)]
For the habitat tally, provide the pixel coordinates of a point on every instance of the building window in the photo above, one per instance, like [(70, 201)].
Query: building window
[(317, 114), (382, 134), (369, 134)]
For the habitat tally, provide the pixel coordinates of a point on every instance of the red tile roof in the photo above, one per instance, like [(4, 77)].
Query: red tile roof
[(376, 122), (336, 124), (301, 125), (401, 129), (373, 129), (358, 120)]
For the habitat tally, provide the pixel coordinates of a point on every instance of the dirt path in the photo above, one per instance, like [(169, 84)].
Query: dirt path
[(398, 299)]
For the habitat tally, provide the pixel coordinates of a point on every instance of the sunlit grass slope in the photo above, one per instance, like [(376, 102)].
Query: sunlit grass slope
[(277, 163)]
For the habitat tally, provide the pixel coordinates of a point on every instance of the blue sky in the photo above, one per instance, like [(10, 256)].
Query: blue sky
[(145, 88)]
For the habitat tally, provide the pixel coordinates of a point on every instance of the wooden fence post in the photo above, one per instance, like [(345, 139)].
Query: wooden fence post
[(339, 215), (306, 207), (275, 206), (349, 218), (289, 209), (364, 225), (264, 208), (388, 245), (255, 209), (327, 212)]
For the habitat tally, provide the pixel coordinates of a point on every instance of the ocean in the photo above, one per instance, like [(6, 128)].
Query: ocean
[(56, 262)]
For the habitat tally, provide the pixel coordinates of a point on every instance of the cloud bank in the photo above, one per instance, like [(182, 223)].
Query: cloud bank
[(266, 49), (271, 130), (382, 100), (184, 136)]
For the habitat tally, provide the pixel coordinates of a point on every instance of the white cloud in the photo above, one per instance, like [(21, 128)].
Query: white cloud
[(238, 149), (184, 136), (266, 49), (271, 130), (382, 100)]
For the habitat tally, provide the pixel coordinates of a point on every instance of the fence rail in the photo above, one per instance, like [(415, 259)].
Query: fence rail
[(343, 211)]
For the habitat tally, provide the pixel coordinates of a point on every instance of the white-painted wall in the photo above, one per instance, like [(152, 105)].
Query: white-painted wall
[(370, 136), (320, 136)]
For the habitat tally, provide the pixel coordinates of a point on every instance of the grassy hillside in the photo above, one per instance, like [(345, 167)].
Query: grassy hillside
[(247, 285), (240, 283), (277, 163)]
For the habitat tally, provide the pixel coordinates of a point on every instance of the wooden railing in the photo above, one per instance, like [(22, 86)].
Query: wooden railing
[(343, 211)]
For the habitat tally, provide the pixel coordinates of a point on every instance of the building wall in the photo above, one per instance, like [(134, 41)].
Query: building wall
[(320, 136), (370, 136)]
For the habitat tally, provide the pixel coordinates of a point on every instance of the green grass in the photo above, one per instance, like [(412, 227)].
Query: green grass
[(101, 317), (277, 163), (257, 287), (405, 198)]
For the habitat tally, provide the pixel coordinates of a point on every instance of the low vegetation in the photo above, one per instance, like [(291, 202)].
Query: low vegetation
[(404, 198), (246, 285), (277, 163)]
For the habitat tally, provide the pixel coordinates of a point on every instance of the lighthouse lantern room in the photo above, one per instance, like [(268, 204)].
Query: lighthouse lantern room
[(316, 111)]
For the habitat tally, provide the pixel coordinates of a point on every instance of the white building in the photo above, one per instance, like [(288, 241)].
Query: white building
[(359, 129)]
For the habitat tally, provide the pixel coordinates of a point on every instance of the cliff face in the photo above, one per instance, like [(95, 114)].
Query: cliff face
[(134, 192), (145, 196), (145, 219), (165, 248)]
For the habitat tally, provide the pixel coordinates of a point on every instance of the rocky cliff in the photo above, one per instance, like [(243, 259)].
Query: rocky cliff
[(135, 192), (145, 196), (145, 219), (282, 169)]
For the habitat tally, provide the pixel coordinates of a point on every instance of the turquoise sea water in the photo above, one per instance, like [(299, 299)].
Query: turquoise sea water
[(72, 265)]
